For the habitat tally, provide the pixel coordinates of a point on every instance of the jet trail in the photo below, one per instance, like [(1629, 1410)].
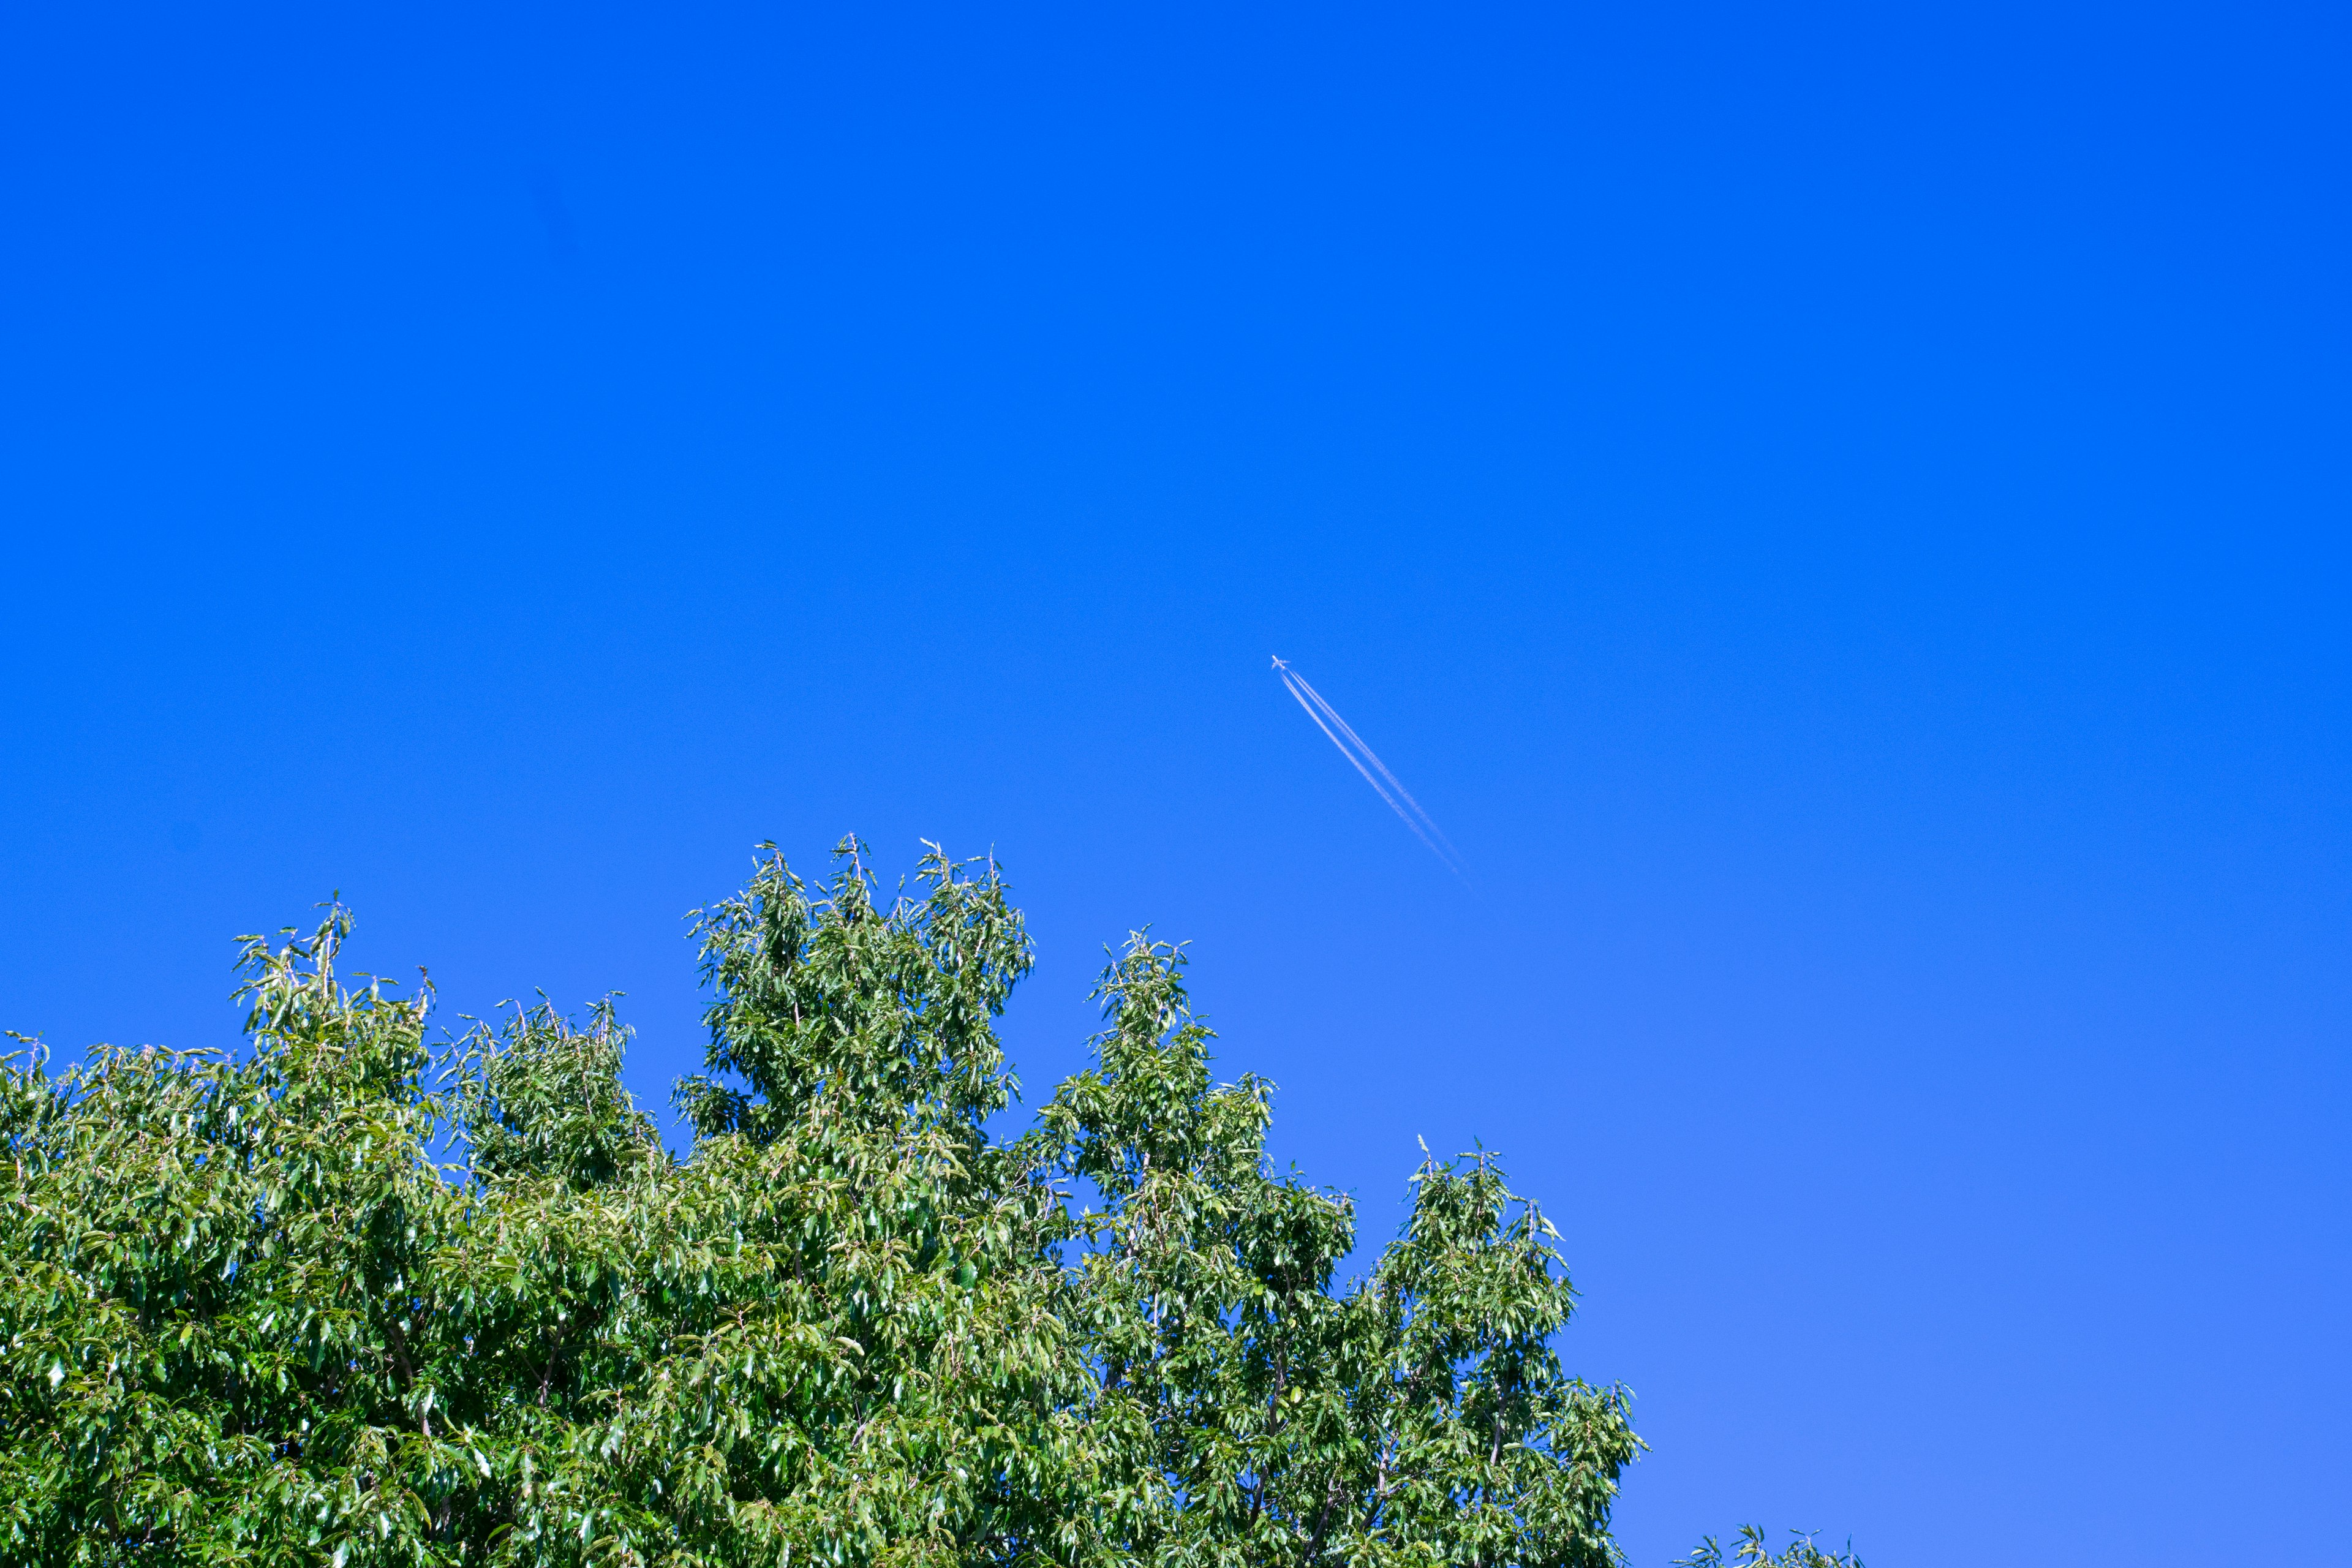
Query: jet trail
[(1400, 799)]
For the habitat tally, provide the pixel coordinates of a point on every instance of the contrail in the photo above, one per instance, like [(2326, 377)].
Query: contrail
[(1400, 799)]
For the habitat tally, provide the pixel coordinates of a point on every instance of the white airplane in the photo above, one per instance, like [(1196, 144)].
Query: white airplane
[(1392, 791)]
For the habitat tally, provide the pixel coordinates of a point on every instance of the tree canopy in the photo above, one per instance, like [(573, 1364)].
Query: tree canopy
[(355, 1294)]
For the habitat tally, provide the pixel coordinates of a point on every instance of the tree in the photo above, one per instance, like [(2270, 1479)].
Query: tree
[(1421, 1415), (353, 1296)]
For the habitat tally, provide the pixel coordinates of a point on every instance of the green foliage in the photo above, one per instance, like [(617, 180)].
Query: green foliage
[(539, 1098), (257, 1309), (218, 1317), (1422, 1417), (1750, 1551)]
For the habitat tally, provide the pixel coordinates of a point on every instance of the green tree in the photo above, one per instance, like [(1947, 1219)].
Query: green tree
[(353, 1295), (1260, 1417)]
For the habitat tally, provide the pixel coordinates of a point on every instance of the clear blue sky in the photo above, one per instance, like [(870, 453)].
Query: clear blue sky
[(1840, 515)]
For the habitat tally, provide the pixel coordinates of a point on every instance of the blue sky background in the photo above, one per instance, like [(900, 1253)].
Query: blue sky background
[(1840, 514)]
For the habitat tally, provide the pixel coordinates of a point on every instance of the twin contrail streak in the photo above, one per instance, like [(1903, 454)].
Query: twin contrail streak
[(1400, 799)]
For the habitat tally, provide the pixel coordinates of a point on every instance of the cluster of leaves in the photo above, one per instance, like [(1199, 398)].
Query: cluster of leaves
[(1750, 1551), (251, 1314)]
